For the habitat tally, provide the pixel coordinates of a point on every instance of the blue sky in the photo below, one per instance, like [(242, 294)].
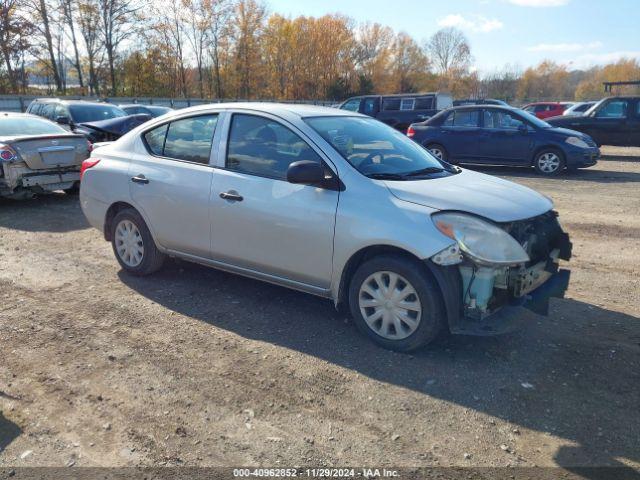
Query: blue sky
[(579, 33)]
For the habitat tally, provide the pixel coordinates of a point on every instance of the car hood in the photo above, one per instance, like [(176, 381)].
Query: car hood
[(484, 195), (567, 121), (118, 126)]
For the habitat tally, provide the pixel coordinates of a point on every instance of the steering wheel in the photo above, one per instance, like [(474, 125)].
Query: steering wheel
[(368, 160)]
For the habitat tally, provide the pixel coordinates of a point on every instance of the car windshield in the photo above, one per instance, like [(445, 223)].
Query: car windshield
[(10, 126), (94, 113), (533, 119), (373, 148)]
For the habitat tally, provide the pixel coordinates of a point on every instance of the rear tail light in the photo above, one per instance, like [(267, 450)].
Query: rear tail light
[(7, 154), (87, 164), (410, 132)]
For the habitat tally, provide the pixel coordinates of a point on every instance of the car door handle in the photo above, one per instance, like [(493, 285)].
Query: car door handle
[(140, 179), (231, 196)]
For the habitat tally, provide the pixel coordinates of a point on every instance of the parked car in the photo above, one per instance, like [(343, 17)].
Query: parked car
[(578, 109), (479, 101), (413, 246), (152, 110), (547, 109), (612, 121), (98, 121), (504, 136), (37, 156), (399, 111)]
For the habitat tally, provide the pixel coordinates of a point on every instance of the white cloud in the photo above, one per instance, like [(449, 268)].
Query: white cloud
[(588, 60), (564, 47), (477, 23), (540, 3)]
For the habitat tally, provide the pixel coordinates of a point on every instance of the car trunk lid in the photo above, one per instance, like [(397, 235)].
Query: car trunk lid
[(51, 151)]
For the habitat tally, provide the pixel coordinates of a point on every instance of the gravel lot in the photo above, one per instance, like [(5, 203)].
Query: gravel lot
[(202, 368)]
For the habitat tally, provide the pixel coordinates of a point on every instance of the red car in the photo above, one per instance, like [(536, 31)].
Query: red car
[(546, 109)]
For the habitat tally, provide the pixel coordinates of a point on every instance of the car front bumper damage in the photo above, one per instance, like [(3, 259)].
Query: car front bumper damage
[(486, 300)]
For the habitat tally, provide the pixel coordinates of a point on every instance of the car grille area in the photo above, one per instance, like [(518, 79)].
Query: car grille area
[(540, 235)]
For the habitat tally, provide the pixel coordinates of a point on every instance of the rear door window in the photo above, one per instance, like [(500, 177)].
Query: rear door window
[(463, 118), (186, 139)]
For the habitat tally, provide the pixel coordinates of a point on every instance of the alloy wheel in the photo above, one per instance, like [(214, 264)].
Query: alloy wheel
[(548, 162), (390, 305), (437, 152)]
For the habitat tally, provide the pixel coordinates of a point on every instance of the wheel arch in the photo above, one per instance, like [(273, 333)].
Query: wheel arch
[(552, 146), (112, 211), (446, 279)]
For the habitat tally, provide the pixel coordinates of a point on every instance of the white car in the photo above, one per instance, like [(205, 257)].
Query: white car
[(332, 203), (578, 109)]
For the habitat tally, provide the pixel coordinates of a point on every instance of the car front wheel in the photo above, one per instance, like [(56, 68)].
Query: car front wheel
[(133, 245), (549, 162), (395, 303)]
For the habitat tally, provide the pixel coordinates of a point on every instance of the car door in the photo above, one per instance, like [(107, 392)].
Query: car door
[(633, 126), (462, 135), (171, 183), (611, 124), (506, 137), (259, 221)]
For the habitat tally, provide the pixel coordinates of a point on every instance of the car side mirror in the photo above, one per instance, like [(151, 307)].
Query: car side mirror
[(305, 172), (523, 129), (63, 120)]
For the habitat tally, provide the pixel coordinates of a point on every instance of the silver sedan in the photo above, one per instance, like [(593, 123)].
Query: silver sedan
[(331, 203)]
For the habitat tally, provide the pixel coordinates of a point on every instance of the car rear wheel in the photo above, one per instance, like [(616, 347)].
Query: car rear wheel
[(438, 151), (549, 162), (133, 245), (395, 303)]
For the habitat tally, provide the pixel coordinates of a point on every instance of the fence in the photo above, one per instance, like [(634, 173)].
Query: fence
[(19, 103)]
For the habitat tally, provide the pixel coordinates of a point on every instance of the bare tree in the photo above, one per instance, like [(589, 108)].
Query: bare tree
[(89, 24), (219, 31), (116, 25), (450, 51), (43, 15), (69, 12)]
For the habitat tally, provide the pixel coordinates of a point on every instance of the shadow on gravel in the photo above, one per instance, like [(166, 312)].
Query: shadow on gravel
[(598, 176), (56, 212), (574, 375), (9, 431)]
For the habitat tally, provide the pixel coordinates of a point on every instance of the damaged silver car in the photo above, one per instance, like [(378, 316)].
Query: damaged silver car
[(38, 156), (331, 203)]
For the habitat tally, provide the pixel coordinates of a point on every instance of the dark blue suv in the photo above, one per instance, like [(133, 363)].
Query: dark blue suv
[(497, 135)]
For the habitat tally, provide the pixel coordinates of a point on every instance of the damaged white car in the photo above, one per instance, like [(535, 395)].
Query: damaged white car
[(331, 203), (38, 156)]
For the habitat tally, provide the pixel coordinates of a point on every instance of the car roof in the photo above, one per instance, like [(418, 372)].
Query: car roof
[(19, 114), (73, 102), (279, 109), (485, 106)]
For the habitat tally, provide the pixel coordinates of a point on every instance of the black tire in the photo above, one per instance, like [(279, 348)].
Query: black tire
[(538, 162), (73, 190), (152, 258), (431, 318), (432, 147)]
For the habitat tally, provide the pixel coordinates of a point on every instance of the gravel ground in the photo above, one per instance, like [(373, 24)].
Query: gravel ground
[(201, 368)]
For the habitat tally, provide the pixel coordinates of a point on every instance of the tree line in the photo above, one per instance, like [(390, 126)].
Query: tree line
[(238, 49)]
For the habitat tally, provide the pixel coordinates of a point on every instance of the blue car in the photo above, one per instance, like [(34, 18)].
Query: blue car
[(497, 135)]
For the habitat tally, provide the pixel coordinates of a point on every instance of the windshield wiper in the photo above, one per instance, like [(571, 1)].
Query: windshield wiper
[(424, 171), (386, 176)]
